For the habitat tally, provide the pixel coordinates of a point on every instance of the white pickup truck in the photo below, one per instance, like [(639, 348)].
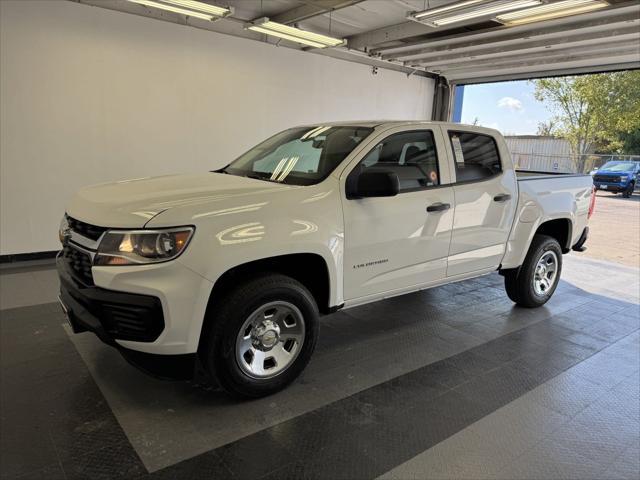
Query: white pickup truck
[(226, 273)]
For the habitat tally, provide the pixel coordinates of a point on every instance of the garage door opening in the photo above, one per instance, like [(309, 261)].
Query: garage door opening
[(587, 124), (570, 124)]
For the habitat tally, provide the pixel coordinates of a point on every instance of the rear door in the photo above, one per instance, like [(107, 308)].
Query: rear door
[(392, 243), (485, 193)]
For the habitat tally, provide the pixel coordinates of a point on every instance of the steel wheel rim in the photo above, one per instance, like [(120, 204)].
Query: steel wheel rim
[(270, 340), (546, 273)]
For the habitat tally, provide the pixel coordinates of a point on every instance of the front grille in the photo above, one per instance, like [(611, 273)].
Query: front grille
[(606, 179), (86, 230), (79, 264)]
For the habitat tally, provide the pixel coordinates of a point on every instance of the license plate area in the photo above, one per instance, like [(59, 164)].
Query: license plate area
[(604, 187)]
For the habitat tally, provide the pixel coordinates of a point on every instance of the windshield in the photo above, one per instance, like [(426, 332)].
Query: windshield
[(619, 167), (299, 156)]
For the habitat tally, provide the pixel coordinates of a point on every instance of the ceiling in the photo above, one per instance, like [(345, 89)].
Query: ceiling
[(478, 50)]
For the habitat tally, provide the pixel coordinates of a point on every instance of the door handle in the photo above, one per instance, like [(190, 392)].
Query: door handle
[(503, 197), (438, 207)]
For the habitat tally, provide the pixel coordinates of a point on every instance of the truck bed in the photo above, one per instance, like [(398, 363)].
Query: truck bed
[(555, 192), (535, 175), (543, 197)]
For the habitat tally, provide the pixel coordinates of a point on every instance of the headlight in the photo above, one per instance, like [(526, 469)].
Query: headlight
[(64, 231), (134, 247)]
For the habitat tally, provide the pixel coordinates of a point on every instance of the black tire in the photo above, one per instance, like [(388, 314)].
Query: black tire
[(519, 283), (629, 191), (227, 318)]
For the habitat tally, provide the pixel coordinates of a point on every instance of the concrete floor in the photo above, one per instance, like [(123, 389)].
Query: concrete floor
[(454, 382)]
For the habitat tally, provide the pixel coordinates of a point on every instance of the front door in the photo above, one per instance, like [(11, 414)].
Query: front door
[(485, 193), (392, 243)]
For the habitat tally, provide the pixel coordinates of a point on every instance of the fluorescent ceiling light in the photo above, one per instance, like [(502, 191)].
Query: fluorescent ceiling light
[(447, 8), (551, 10), (287, 37), (467, 10), (488, 10), (264, 25), (200, 6), (191, 8)]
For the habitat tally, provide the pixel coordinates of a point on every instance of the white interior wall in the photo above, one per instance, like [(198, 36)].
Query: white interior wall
[(90, 95)]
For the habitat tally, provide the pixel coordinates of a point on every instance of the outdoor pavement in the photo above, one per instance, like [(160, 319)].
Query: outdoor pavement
[(614, 229)]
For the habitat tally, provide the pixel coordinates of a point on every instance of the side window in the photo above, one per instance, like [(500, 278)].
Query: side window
[(410, 155), (475, 156)]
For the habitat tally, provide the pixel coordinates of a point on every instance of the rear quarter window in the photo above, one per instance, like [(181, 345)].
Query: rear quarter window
[(475, 155)]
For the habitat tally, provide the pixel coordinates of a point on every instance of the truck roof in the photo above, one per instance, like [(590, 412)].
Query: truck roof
[(385, 124)]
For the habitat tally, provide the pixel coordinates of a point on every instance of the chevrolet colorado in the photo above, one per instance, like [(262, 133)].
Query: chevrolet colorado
[(225, 273)]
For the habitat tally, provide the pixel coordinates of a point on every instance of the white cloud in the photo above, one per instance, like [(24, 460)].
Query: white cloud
[(510, 103)]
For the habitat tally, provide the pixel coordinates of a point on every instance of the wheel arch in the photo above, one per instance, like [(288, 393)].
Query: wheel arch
[(310, 269), (560, 228)]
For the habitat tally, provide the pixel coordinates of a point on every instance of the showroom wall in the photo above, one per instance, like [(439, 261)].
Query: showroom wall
[(90, 95)]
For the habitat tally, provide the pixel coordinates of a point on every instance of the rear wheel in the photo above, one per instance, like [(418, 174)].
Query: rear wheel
[(262, 337), (533, 284)]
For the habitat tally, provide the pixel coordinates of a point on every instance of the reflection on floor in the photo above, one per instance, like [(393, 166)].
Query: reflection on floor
[(450, 383)]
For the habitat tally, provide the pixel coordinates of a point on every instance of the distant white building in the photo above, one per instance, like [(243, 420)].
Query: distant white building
[(541, 153)]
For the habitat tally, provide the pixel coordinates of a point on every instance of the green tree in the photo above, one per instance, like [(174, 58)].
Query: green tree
[(630, 142), (593, 110)]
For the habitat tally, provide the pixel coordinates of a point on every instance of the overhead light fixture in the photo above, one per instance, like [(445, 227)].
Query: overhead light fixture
[(264, 25), (447, 8), (551, 10), (191, 8), (468, 10)]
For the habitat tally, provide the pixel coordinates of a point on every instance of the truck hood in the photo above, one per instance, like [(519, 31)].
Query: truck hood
[(613, 173), (132, 203)]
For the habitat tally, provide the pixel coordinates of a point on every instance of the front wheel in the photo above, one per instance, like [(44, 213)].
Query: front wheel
[(533, 284), (262, 336), (629, 191)]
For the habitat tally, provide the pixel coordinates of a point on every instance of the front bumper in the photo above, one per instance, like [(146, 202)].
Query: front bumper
[(166, 302), (611, 187), (109, 314), (120, 319)]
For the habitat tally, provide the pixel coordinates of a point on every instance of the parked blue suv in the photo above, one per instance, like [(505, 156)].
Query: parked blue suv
[(618, 177)]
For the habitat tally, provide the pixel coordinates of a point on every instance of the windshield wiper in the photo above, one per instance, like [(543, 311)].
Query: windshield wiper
[(255, 176), (260, 177)]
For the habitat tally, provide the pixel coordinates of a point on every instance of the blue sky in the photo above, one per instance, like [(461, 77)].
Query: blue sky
[(508, 107)]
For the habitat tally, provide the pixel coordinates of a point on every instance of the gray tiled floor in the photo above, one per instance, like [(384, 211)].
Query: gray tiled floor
[(568, 427), (167, 424), (583, 423), (450, 383)]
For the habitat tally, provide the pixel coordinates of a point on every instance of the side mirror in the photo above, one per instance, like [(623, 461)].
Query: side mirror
[(375, 184)]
